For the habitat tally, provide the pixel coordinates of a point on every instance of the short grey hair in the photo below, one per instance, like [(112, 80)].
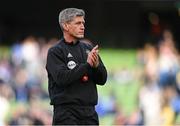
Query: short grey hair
[(68, 14)]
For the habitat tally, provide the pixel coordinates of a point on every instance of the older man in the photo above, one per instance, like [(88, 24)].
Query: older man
[(74, 68)]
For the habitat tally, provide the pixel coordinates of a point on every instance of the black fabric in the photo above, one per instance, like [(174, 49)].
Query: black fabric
[(65, 85), (75, 115)]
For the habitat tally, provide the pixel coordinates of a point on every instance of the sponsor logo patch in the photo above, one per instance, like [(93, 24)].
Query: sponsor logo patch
[(71, 64)]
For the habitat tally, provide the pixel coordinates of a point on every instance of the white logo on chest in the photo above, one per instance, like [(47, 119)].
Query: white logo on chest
[(69, 55), (71, 65)]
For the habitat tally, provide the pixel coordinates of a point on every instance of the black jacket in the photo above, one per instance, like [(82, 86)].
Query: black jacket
[(66, 65)]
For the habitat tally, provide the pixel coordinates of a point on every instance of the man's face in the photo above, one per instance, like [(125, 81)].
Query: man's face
[(75, 28)]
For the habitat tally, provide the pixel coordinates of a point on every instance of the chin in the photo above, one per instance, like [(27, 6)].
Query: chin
[(80, 36)]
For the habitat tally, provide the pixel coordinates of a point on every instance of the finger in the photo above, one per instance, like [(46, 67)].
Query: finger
[(95, 64), (96, 47), (95, 56), (92, 56), (96, 60), (89, 59), (94, 53), (93, 60)]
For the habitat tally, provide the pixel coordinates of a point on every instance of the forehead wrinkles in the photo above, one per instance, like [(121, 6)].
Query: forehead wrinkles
[(78, 19)]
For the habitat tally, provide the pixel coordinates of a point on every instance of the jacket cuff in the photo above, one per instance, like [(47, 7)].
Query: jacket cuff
[(87, 65)]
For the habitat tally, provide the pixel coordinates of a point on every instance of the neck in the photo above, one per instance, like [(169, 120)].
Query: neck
[(69, 39)]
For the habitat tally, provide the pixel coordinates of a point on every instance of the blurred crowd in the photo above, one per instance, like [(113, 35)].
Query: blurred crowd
[(158, 95), (23, 83)]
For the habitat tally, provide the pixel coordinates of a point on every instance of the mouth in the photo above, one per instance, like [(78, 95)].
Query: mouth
[(81, 32)]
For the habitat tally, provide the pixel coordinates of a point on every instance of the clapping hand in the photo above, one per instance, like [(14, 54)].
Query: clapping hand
[(93, 58)]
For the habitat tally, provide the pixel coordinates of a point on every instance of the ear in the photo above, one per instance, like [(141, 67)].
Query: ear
[(65, 26)]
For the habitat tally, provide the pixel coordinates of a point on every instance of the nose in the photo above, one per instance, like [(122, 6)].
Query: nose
[(82, 26)]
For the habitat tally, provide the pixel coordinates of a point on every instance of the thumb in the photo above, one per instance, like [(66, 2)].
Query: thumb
[(95, 48)]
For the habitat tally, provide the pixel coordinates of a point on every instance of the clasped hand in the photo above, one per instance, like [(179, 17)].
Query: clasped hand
[(93, 58)]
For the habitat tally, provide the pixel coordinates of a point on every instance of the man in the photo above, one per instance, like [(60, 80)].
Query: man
[(74, 68)]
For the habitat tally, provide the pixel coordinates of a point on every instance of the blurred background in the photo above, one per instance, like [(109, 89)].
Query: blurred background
[(139, 45)]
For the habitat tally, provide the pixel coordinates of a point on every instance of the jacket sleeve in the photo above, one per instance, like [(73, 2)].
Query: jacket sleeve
[(59, 72), (100, 74)]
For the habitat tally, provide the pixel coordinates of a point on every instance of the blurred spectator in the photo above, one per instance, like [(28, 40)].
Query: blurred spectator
[(168, 114), (150, 95), (151, 66), (168, 60), (150, 102), (5, 70), (16, 55), (20, 85), (6, 95), (107, 105)]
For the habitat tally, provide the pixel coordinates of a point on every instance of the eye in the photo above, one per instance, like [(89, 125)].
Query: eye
[(78, 23)]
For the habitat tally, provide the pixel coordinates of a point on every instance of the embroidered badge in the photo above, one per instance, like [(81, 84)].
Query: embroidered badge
[(71, 64)]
